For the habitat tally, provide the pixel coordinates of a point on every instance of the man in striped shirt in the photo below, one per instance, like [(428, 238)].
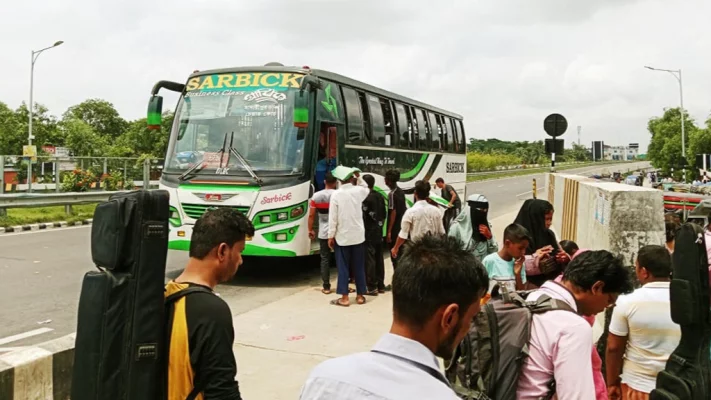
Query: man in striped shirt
[(320, 204)]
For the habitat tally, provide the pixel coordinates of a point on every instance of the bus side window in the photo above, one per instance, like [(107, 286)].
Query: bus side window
[(403, 130), (433, 131), (442, 130), (463, 147), (423, 141), (389, 117), (410, 126), (354, 117), (375, 110), (367, 121), (454, 147)]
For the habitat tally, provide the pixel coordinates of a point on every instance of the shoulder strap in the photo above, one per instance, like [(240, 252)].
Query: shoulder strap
[(545, 303), (429, 370), (189, 290)]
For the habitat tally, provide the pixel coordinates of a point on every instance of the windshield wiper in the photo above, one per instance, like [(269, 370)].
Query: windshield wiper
[(198, 166), (244, 162)]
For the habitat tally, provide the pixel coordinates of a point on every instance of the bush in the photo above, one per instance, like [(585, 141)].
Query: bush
[(490, 161), (114, 181), (78, 181)]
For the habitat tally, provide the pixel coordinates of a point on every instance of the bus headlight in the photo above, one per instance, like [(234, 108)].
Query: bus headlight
[(280, 237), (265, 219), (297, 211), (282, 216)]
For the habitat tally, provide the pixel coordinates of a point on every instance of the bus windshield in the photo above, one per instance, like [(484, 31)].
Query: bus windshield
[(256, 121)]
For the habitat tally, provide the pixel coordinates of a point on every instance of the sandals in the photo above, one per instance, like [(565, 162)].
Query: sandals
[(326, 291), (360, 300), (373, 292), (337, 302)]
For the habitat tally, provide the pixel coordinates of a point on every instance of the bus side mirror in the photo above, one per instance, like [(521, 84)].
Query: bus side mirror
[(301, 110), (155, 112)]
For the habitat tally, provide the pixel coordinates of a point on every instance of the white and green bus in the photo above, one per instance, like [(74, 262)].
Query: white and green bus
[(250, 138)]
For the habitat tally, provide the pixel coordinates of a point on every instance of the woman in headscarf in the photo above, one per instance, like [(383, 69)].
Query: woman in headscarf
[(472, 227), (545, 259)]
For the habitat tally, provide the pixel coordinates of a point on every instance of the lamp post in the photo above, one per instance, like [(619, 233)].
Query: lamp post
[(677, 74), (35, 56)]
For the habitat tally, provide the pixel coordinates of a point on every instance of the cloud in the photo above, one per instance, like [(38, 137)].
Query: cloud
[(504, 64)]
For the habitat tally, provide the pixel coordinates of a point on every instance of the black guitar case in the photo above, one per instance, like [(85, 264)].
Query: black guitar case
[(687, 375), (119, 347)]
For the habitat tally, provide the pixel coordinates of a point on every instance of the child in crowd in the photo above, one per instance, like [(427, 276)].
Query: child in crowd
[(569, 246), (506, 266)]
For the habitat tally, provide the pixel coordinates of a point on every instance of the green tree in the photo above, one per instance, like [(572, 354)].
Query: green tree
[(11, 135), (100, 115), (81, 139), (665, 147), (138, 140), (577, 153), (700, 142), (45, 127)]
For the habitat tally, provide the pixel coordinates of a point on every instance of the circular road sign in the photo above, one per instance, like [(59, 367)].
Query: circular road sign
[(555, 125)]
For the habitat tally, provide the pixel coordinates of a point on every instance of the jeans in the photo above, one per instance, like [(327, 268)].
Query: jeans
[(328, 260), (374, 266), (347, 257)]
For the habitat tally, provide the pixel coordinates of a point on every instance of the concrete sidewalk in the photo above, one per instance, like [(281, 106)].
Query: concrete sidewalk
[(277, 345)]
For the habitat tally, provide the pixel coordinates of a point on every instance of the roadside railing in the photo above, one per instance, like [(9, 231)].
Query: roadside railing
[(65, 174), (523, 167), (27, 200)]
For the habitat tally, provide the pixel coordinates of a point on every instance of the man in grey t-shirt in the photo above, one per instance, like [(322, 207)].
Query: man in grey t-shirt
[(320, 204)]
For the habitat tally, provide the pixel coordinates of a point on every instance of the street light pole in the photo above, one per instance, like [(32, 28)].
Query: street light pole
[(676, 73), (35, 56)]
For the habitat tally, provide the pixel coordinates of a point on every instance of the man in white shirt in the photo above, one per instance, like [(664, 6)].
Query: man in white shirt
[(346, 235), (436, 293), (419, 220), (641, 329)]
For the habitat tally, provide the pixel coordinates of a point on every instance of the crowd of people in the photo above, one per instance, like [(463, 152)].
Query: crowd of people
[(447, 266), (443, 279)]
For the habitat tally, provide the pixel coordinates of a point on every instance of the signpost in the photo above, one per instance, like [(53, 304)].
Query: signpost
[(555, 125)]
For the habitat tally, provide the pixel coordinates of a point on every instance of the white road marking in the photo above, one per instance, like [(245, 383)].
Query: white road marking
[(529, 192), (44, 231), (24, 335)]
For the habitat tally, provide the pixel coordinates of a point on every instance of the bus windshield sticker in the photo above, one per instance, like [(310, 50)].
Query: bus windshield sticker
[(330, 103)]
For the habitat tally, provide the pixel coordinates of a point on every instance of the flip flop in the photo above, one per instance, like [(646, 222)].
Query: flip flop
[(372, 292), (360, 300), (337, 302), (326, 291)]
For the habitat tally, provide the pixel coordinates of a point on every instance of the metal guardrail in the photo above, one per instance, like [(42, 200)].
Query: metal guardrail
[(528, 167), (52, 199)]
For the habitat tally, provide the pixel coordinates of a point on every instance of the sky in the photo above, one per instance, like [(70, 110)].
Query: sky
[(502, 64)]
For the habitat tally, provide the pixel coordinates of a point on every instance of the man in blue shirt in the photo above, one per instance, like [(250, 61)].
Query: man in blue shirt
[(328, 146)]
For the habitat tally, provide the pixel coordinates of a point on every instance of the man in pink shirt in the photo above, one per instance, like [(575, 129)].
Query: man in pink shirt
[(559, 350)]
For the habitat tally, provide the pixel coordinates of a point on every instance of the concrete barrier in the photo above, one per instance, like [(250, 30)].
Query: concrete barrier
[(606, 215), (40, 372)]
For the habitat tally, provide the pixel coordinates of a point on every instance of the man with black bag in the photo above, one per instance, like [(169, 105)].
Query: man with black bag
[(139, 339), (687, 375)]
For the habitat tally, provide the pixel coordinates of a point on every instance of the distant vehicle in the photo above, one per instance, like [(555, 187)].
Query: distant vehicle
[(634, 180)]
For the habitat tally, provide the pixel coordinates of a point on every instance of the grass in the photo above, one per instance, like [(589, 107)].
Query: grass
[(24, 216), (532, 171)]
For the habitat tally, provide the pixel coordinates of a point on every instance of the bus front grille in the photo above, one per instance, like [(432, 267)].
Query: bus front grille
[(196, 211)]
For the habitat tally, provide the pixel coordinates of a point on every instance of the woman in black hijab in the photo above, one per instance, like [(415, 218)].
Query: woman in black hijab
[(544, 258)]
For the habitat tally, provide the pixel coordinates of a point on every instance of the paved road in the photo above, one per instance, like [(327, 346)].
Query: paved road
[(506, 194), (41, 272)]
